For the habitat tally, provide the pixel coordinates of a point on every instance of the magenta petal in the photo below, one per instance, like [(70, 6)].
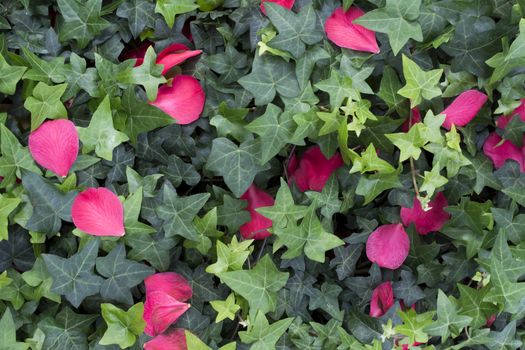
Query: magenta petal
[(382, 299), (174, 55), (427, 221), (171, 340), (170, 283), (416, 118), (341, 31), (505, 119), (183, 100), (388, 246), (257, 227), (160, 311), (313, 169), (499, 154), (54, 145), (98, 212), (284, 3), (464, 108)]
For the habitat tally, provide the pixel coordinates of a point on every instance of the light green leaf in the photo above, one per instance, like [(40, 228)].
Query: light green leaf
[(419, 84), (170, 8), (225, 308), (11, 75), (123, 326), (8, 333), (261, 334), (46, 103), (231, 257), (139, 15), (7, 205)]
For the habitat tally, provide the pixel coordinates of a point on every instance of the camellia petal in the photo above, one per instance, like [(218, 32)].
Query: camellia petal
[(98, 212), (388, 246), (312, 171), (341, 30), (183, 100), (284, 3), (175, 54), (257, 227), (464, 108), (161, 310), (54, 145), (416, 118), (170, 283), (382, 299), (171, 340), (429, 220), (500, 151)]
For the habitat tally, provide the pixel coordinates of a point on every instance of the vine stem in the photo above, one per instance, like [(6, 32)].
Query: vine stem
[(413, 170)]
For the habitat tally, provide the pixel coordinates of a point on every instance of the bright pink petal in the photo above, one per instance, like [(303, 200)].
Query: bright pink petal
[(382, 299), (257, 227), (174, 55), (171, 340), (99, 212), (54, 145), (427, 221), (464, 108), (314, 169), (161, 310), (388, 246), (170, 283), (499, 153), (284, 3), (341, 30), (416, 118), (183, 100)]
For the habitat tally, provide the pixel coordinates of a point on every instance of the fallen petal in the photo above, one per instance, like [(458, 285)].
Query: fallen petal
[(161, 310), (426, 221), (175, 54), (499, 153), (313, 169), (388, 246), (171, 340), (341, 30), (257, 227), (170, 283), (464, 108), (382, 299)]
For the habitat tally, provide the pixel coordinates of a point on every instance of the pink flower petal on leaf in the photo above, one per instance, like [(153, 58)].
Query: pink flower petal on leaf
[(98, 212), (464, 108), (416, 118), (257, 227), (170, 283), (174, 55), (161, 310), (427, 221), (54, 145), (388, 246), (183, 100), (284, 3), (499, 153), (382, 299), (313, 169), (171, 340), (341, 30)]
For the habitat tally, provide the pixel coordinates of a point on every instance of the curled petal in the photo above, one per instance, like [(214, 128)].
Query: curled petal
[(171, 340), (341, 30), (99, 212), (284, 3), (313, 169), (500, 151), (388, 246), (170, 283), (427, 221), (174, 55), (183, 100), (382, 299), (257, 227), (54, 145), (161, 310), (464, 108)]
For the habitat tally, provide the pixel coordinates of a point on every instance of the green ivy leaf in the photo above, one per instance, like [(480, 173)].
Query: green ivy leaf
[(262, 335), (46, 103), (8, 333), (225, 308), (338, 88), (371, 186), (44, 71), (419, 84), (231, 257), (414, 325), (470, 303), (154, 251), (11, 75), (170, 8), (67, 330), (123, 326), (448, 323), (7, 205), (139, 15), (78, 77)]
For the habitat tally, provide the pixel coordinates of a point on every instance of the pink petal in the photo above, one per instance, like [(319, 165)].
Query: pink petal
[(490, 320), (506, 150), (99, 212), (183, 100), (257, 227), (54, 145), (427, 221), (170, 283), (382, 299), (171, 340), (341, 31), (505, 119), (464, 108), (284, 3), (314, 169), (174, 55), (416, 118), (161, 310), (388, 246)]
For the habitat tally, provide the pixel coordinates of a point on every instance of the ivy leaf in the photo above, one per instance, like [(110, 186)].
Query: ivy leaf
[(154, 251), (7, 205), (44, 71), (259, 286), (39, 279), (328, 198), (514, 130), (506, 339), (398, 19), (419, 84), (513, 181), (17, 251), (178, 171), (100, 134), (345, 260), (238, 165), (108, 73), (123, 326), (206, 227), (121, 273), (338, 88), (67, 330), (8, 333), (295, 30), (50, 204), (46, 103), (369, 161), (262, 335), (170, 8), (11, 75), (470, 303), (371, 186), (484, 176), (74, 277), (448, 323), (225, 308), (232, 213), (78, 77), (407, 289), (414, 324), (232, 256), (388, 89), (504, 62), (139, 15)]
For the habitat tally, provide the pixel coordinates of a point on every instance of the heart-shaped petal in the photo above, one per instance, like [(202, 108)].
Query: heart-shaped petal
[(54, 145), (161, 310), (464, 108), (284, 3), (98, 212), (257, 227), (382, 299), (175, 54), (388, 246), (341, 30), (171, 340), (429, 220), (170, 283), (183, 100)]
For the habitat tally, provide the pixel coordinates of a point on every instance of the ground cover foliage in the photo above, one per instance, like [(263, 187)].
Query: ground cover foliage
[(308, 174)]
